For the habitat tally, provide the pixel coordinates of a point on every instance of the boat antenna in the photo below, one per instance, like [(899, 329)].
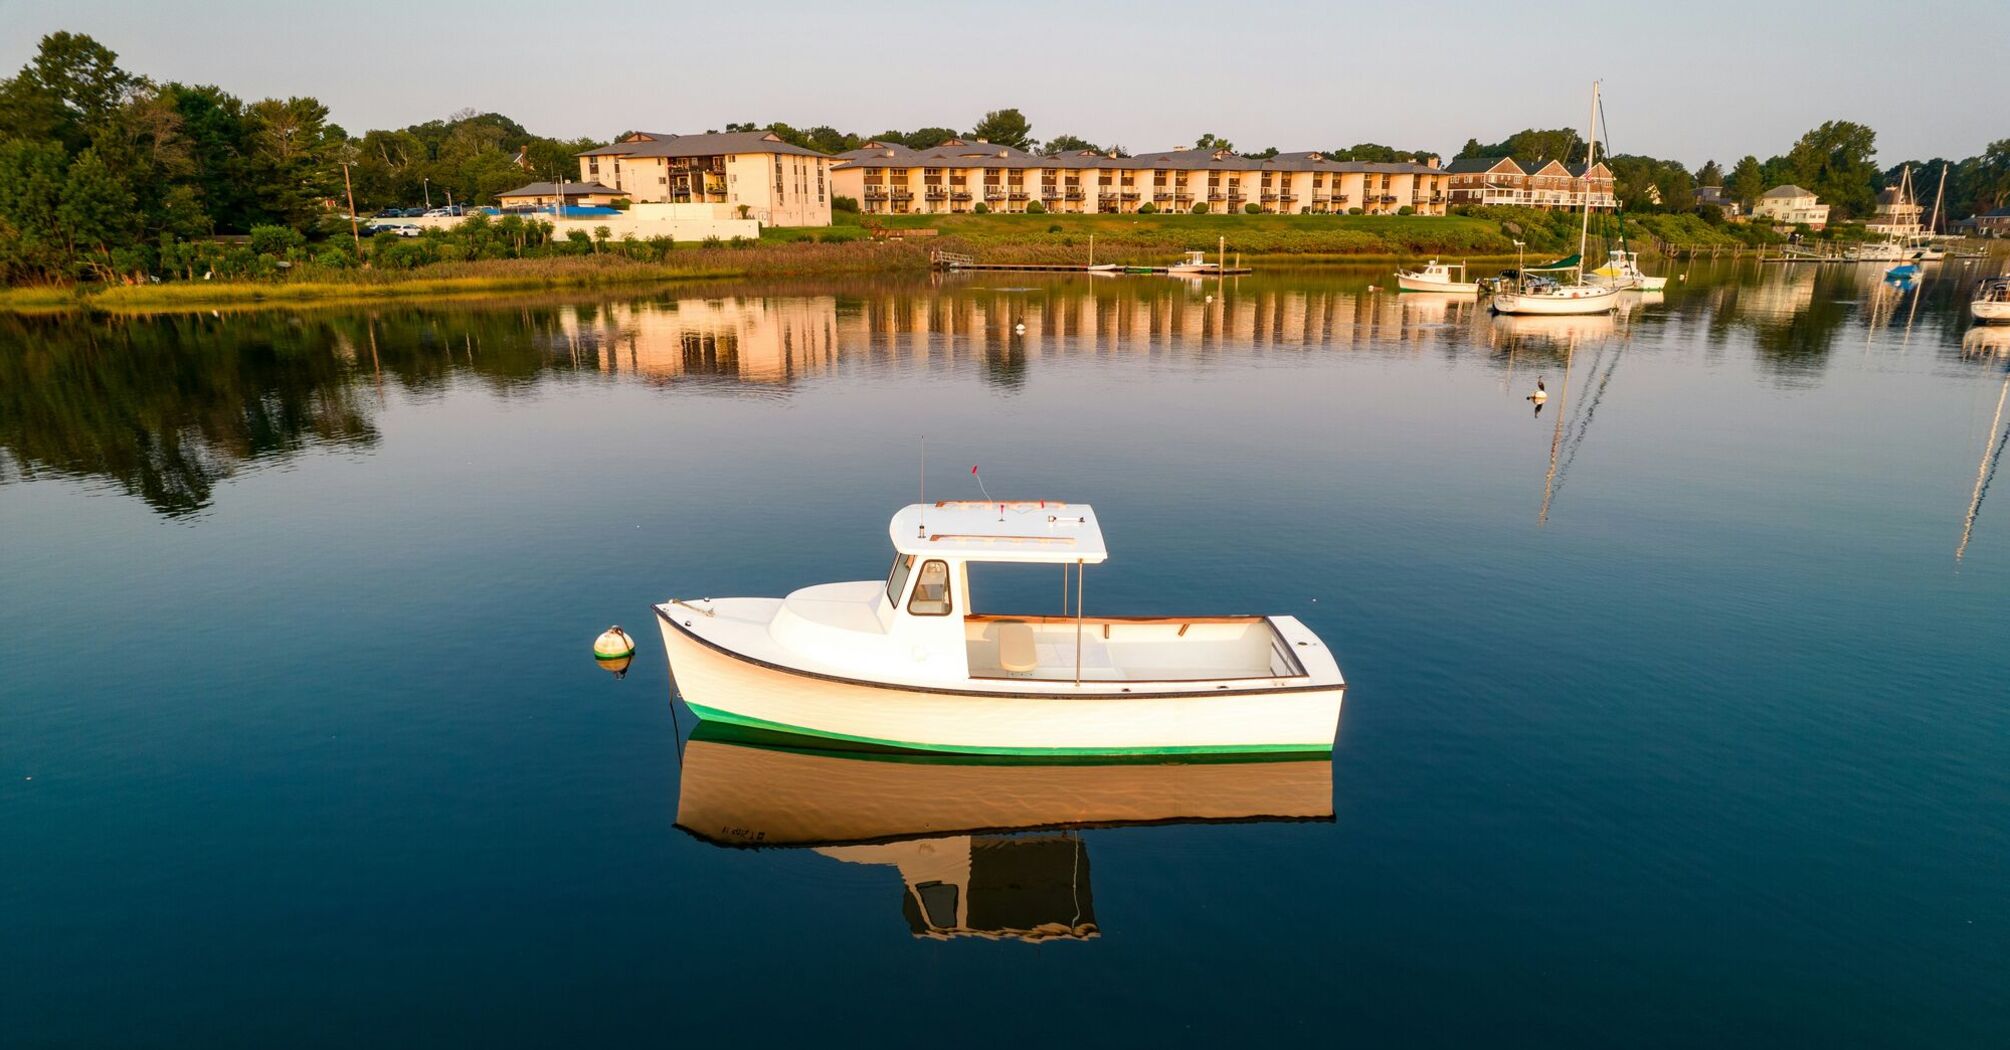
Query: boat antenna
[(987, 493), (921, 522)]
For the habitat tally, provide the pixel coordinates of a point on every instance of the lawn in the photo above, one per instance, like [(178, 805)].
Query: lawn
[(1159, 238)]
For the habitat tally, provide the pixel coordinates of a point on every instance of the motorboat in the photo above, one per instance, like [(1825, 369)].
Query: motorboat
[(908, 663), (1878, 251), (1193, 264), (985, 847), (1622, 270), (1437, 277), (1992, 300)]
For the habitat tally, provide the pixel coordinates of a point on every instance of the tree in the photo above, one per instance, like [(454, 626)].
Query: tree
[(1709, 174), (96, 214), (1834, 160), (1747, 182), (31, 190), (1472, 148), (1263, 154), (1531, 144), (66, 92), (1060, 144), (1208, 140), (1006, 127)]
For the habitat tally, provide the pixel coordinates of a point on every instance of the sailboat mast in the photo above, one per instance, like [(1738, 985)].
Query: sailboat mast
[(1933, 224), (1590, 158)]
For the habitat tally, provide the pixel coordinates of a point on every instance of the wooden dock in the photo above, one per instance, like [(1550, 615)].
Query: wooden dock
[(941, 260)]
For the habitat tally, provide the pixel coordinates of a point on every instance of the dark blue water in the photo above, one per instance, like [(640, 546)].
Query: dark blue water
[(1681, 722)]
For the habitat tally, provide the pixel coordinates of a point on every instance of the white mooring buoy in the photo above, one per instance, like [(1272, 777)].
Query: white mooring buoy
[(1540, 394), (1019, 328), (614, 650)]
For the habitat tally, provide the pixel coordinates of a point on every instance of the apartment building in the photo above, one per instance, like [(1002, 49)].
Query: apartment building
[(1791, 205), (752, 174), (958, 175), (1897, 214), (1549, 185)]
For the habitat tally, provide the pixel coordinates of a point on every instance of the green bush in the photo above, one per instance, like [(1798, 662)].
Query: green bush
[(1200, 207), (1148, 208), (1353, 211), (1035, 208), (276, 241), (714, 242), (1406, 210), (1054, 227), (982, 208), (845, 204), (1252, 208)]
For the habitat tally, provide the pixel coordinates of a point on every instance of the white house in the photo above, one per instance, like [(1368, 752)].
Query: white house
[(1791, 205)]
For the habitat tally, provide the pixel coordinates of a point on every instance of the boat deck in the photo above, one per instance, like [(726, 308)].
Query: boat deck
[(1156, 649)]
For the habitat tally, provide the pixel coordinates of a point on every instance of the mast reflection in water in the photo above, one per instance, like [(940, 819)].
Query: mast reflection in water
[(985, 847)]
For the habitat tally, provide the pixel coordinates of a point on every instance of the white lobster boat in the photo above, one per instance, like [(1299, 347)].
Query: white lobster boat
[(906, 662), (1992, 300), (1437, 277)]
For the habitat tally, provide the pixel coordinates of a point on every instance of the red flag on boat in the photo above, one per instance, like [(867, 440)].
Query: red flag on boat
[(973, 468)]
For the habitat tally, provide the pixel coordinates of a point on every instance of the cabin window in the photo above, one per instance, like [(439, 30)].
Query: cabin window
[(896, 580), (931, 590)]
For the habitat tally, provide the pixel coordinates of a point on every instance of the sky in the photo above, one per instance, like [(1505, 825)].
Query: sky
[(1687, 81)]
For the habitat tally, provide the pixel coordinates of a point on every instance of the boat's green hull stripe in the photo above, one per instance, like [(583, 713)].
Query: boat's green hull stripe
[(716, 715)]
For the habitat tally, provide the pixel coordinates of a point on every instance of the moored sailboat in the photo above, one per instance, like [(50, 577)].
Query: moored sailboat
[(1553, 296)]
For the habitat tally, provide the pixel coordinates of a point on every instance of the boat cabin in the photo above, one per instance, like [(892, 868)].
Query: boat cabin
[(922, 624)]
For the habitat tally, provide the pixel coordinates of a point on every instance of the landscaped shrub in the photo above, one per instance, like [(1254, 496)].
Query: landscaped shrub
[(1148, 208), (1035, 208), (1353, 211), (1252, 208), (714, 242), (1406, 210), (982, 208), (849, 204), (1054, 227), (1200, 207)]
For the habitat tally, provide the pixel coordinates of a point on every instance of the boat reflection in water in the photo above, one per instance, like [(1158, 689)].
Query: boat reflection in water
[(987, 847)]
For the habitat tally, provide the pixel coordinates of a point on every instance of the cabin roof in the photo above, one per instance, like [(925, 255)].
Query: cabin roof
[(1041, 531)]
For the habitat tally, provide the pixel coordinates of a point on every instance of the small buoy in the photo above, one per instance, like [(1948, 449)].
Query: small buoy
[(613, 644), (1540, 394), (1210, 298), (1374, 288), (1020, 328)]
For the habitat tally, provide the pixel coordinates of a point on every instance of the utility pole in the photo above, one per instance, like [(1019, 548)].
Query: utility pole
[(350, 189), (426, 187)]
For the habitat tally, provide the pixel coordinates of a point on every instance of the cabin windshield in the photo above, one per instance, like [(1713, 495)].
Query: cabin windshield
[(896, 578)]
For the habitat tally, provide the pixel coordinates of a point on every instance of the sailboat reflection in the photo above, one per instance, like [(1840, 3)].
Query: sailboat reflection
[(986, 847)]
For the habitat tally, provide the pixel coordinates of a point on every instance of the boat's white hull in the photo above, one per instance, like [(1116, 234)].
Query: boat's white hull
[(1577, 301), (1406, 283), (1985, 311), (1878, 253), (1199, 717)]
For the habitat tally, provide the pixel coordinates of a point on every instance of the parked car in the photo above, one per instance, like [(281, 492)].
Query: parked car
[(443, 213), (407, 230)]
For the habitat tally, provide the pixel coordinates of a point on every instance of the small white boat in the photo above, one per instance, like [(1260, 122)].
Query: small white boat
[(1992, 300), (1622, 270), (1194, 263), (1878, 251), (906, 662), (1437, 277)]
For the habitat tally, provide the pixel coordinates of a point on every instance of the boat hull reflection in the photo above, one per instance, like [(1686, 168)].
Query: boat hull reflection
[(986, 846)]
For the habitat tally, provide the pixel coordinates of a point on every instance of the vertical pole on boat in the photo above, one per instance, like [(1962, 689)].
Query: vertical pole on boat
[(1079, 565), (1590, 158), (1064, 588)]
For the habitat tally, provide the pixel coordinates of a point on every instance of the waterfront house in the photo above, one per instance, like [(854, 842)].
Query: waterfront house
[(1715, 197), (539, 194), (955, 176), (1897, 214), (1550, 185), (1791, 205), (751, 174)]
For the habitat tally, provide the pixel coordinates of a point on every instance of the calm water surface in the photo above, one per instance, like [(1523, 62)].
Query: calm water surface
[(1678, 710)]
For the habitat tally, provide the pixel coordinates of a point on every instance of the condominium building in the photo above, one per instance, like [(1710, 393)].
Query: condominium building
[(1791, 205), (958, 175), (539, 194), (752, 174), (1504, 180)]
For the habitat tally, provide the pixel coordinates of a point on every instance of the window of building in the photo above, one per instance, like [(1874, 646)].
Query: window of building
[(931, 590)]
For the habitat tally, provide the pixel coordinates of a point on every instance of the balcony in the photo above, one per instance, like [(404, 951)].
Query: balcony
[(959, 195), (903, 194), (1182, 195), (1129, 194), (1018, 193), (1213, 195), (1074, 193), (875, 193), (994, 192), (936, 193)]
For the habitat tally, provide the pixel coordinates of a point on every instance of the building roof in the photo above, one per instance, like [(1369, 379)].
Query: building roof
[(1043, 531), (1476, 165), (710, 144), (572, 189), (1788, 190), (957, 153)]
